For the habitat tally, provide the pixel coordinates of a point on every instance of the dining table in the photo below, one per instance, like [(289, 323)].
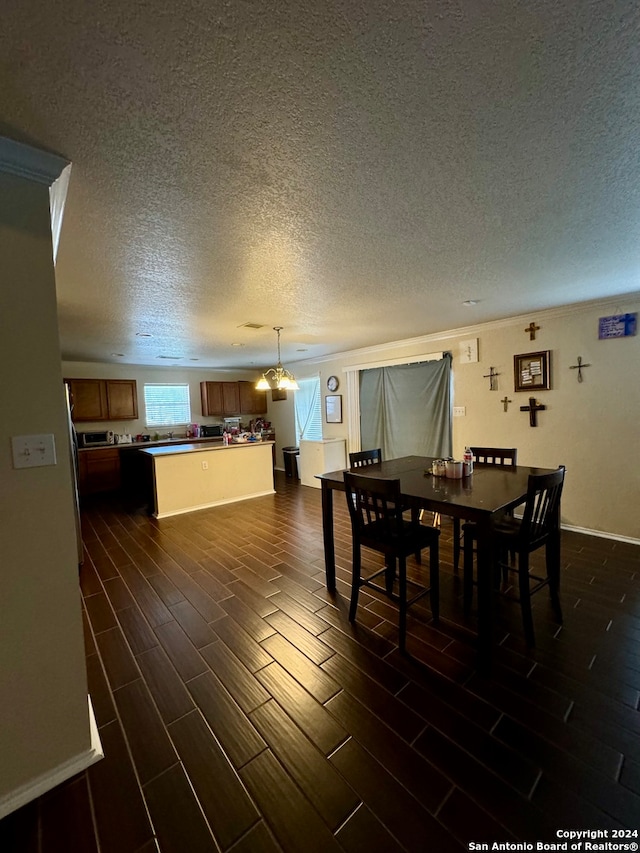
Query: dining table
[(482, 497)]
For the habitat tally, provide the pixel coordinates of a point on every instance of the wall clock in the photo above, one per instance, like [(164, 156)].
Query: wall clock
[(333, 383)]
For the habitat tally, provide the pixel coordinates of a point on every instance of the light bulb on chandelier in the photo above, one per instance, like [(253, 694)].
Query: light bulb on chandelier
[(277, 378)]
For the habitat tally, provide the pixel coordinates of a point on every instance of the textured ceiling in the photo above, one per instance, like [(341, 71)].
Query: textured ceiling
[(351, 170)]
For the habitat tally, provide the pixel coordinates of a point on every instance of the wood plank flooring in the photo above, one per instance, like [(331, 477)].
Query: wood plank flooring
[(240, 711)]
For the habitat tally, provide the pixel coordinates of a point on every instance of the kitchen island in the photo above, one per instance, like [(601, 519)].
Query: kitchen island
[(190, 476)]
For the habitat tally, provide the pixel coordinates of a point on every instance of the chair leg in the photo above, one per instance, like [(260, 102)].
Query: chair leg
[(355, 580), (402, 602), (553, 573), (415, 519), (467, 577), (506, 559), (390, 574), (525, 597), (434, 578), (456, 544)]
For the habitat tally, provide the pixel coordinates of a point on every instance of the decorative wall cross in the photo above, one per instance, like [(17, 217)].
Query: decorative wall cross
[(491, 376), (505, 402), (532, 329), (579, 367), (533, 408)]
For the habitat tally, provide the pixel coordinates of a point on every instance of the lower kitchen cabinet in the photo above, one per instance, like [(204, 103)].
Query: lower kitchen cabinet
[(98, 471)]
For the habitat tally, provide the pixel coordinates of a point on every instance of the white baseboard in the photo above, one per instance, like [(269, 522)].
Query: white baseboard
[(210, 504), (589, 532), (601, 533), (23, 795)]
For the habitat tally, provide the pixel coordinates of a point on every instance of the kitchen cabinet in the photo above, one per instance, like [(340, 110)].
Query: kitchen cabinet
[(88, 398), (220, 398), (232, 398), (98, 471), (211, 397), (103, 399), (122, 399), (252, 401)]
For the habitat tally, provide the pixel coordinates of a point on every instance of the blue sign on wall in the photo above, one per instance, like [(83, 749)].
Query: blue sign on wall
[(619, 326)]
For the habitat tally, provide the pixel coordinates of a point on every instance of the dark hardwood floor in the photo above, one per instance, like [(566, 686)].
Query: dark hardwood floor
[(240, 711)]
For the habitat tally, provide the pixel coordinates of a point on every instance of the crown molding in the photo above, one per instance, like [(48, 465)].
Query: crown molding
[(24, 161), (448, 334)]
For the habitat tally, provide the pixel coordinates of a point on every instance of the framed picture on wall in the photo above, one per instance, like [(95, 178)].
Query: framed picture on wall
[(532, 371), (333, 408)]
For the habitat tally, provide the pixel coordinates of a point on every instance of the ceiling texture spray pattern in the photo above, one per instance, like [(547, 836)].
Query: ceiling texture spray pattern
[(351, 171)]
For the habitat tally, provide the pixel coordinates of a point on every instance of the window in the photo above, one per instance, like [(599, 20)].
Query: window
[(167, 405), (308, 408)]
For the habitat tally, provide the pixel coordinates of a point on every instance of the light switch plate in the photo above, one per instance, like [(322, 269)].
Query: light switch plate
[(459, 411), (33, 451)]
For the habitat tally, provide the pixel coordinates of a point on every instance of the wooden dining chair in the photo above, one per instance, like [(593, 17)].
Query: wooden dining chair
[(364, 458), (361, 458), (539, 525), (505, 456), (375, 510)]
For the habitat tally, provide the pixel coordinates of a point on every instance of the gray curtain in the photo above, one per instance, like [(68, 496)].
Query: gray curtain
[(406, 409)]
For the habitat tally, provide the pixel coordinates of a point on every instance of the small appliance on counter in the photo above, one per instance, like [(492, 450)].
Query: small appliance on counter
[(211, 431), (122, 438), (232, 425), (98, 438)]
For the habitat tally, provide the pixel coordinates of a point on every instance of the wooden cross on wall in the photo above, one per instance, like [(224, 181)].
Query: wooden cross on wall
[(533, 408), (491, 376), (532, 329), (505, 402)]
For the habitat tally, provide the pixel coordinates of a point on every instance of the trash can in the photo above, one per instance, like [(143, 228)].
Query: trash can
[(290, 461)]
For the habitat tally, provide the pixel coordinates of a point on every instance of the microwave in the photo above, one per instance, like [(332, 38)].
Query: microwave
[(99, 438), (211, 431)]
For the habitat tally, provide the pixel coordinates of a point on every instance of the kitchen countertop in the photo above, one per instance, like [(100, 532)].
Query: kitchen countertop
[(191, 447), (163, 442), (142, 445)]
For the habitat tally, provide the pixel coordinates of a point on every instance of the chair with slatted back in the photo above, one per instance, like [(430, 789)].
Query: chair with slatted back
[(375, 510), (364, 458), (505, 456), (539, 525), (361, 458)]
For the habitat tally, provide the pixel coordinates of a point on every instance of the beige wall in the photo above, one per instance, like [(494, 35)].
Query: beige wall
[(591, 427), (44, 720)]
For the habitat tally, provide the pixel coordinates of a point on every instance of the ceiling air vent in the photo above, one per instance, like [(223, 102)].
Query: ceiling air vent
[(251, 326)]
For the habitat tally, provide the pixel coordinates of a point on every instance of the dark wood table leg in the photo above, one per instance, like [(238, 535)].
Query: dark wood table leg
[(485, 596), (327, 533)]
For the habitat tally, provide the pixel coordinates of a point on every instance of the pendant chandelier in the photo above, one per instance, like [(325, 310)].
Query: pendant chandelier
[(277, 378)]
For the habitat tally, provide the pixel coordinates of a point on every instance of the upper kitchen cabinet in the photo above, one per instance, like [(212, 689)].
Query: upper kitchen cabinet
[(232, 398), (103, 399), (220, 398), (252, 402), (122, 399), (88, 399)]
